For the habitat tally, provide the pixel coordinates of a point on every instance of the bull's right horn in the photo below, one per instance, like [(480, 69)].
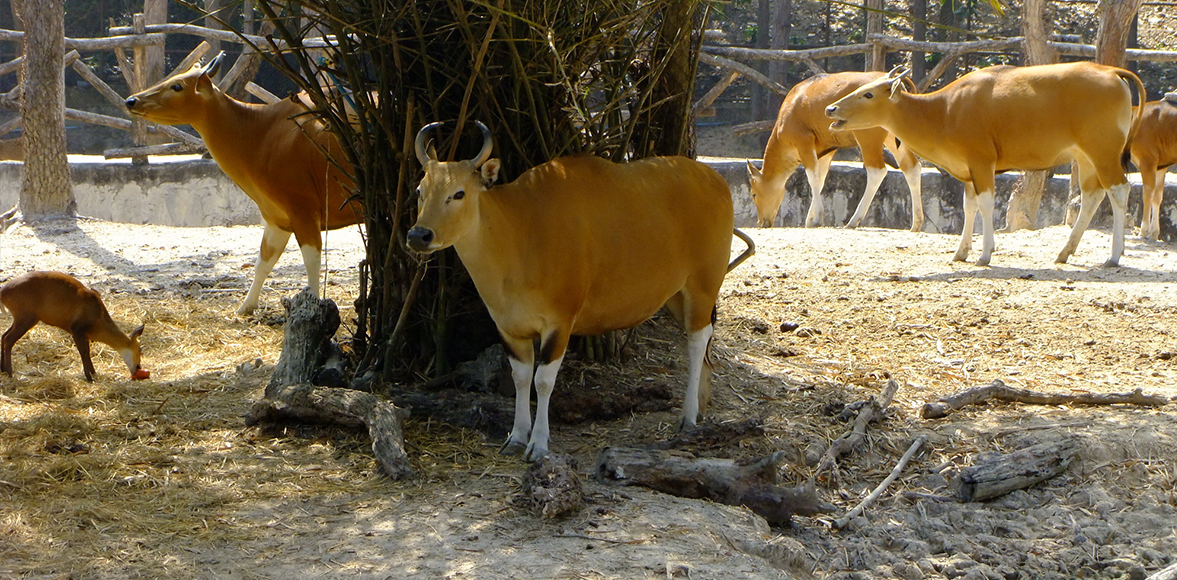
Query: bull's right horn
[(487, 145), (422, 154), (898, 72)]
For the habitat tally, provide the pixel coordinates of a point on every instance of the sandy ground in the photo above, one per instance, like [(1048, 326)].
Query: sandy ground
[(161, 478)]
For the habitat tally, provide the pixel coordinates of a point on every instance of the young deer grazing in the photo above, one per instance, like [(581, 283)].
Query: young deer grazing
[(60, 300)]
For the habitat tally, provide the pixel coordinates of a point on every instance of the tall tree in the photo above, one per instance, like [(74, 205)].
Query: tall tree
[(1115, 26), (46, 191), (1023, 204)]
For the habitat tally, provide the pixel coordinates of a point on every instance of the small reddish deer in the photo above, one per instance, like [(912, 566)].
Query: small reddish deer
[(60, 300)]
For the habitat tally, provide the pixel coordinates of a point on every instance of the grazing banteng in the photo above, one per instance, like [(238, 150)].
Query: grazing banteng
[(1001, 118), (274, 153), (1154, 149), (581, 245), (60, 300), (802, 135)]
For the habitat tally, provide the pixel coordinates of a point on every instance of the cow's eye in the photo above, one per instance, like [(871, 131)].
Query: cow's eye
[(177, 87), (460, 194), (868, 95)]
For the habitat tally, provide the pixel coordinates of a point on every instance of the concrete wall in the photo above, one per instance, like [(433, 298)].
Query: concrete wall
[(194, 192), (942, 197)]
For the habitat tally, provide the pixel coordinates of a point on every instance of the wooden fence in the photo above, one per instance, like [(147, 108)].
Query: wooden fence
[(137, 38)]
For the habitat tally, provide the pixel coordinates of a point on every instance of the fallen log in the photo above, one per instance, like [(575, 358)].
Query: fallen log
[(1000, 391), (998, 474), (307, 344), (722, 480), (348, 407), (854, 437)]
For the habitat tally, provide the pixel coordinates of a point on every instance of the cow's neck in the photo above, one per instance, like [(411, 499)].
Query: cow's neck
[(917, 120), (780, 160), (493, 251), (231, 130)]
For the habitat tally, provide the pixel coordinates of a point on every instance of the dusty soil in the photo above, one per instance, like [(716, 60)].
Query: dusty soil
[(161, 478)]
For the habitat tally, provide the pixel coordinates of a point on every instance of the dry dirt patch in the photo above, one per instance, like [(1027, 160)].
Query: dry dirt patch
[(160, 478)]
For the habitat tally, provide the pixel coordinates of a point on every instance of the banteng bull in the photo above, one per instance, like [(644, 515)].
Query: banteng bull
[(581, 245), (274, 153), (802, 135), (1003, 118)]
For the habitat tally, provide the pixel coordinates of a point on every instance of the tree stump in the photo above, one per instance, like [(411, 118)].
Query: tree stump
[(723, 480), (310, 325)]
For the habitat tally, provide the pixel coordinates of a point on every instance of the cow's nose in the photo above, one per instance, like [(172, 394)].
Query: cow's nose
[(419, 238), (131, 102)]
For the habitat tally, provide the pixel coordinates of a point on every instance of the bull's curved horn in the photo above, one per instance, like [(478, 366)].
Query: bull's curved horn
[(422, 154), (487, 145), (213, 65)]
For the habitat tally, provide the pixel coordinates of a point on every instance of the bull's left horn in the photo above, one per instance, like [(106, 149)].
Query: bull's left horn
[(422, 154), (487, 145)]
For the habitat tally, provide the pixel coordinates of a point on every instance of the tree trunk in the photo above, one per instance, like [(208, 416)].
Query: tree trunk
[(760, 95), (156, 12), (874, 25), (1024, 202), (46, 191), (1115, 25), (919, 33)]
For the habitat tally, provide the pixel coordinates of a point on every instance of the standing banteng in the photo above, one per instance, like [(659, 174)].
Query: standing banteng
[(1003, 117), (581, 245)]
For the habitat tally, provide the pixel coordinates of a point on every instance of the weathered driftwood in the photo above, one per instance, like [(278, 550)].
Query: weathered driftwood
[(723, 480), (343, 406), (310, 325), (552, 486), (998, 474), (911, 451), (1169, 573), (1000, 391), (854, 437)]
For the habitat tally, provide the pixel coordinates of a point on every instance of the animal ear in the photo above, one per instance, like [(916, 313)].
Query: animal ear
[(490, 171), (753, 171), (138, 331), (897, 85)]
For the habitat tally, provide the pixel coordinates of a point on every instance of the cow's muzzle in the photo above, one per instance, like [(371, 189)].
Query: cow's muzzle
[(420, 239)]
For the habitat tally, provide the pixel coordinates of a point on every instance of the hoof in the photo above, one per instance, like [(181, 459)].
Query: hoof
[(983, 262), (511, 447), (684, 426), (1111, 264), (960, 257), (534, 454)]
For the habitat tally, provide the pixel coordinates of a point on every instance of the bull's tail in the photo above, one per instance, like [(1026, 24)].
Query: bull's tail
[(1137, 115), (746, 253)]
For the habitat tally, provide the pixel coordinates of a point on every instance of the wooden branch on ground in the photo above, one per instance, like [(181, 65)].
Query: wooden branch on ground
[(310, 325), (753, 127), (305, 402), (1000, 391), (723, 480), (1169, 573), (998, 474), (843, 521), (854, 437)]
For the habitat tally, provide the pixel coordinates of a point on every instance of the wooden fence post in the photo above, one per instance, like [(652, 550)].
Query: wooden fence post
[(139, 124)]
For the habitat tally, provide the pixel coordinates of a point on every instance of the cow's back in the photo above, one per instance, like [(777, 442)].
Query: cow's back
[(620, 238)]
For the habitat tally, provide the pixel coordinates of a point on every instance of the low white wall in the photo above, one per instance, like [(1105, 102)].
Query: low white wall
[(181, 192)]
